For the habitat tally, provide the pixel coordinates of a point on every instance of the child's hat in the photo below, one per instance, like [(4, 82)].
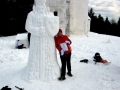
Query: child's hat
[(60, 30)]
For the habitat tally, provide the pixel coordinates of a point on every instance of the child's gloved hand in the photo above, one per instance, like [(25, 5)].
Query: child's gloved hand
[(67, 42), (64, 55)]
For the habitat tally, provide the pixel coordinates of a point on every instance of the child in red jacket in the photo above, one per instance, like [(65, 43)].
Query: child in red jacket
[(62, 43)]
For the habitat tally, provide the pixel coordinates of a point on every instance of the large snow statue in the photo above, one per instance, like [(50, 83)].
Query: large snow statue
[(43, 26)]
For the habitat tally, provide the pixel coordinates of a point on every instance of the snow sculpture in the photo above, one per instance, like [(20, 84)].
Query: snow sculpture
[(43, 26)]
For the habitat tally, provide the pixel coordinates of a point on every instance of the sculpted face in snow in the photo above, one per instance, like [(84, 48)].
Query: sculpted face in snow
[(40, 6), (43, 26)]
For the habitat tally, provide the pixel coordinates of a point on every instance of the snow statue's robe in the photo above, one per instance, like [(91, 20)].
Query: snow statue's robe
[(43, 26)]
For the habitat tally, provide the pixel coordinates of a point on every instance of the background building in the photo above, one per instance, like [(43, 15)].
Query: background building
[(73, 15)]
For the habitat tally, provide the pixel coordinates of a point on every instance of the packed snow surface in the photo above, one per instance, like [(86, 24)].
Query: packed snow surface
[(85, 76)]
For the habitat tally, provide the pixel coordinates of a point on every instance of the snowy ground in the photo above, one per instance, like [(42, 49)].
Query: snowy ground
[(85, 76)]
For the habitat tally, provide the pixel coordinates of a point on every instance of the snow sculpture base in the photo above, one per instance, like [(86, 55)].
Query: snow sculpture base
[(42, 64)]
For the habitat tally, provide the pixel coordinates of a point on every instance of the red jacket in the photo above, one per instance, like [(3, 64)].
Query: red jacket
[(59, 40)]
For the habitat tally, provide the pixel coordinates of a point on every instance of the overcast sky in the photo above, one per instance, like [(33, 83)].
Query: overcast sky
[(110, 8)]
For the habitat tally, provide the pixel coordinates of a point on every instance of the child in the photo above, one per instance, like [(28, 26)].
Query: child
[(62, 43), (19, 44), (98, 58)]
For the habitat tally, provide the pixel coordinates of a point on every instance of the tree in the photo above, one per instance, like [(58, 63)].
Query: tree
[(100, 22), (107, 26), (93, 24), (99, 25), (14, 14), (113, 27), (118, 27), (91, 13)]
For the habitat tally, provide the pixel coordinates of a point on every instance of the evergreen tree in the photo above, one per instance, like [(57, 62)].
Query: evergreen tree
[(93, 24), (24, 7), (91, 13), (100, 22), (107, 26), (118, 27), (113, 29), (15, 13)]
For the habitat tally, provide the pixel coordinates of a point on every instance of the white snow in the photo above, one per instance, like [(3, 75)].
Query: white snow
[(85, 76), (21, 36)]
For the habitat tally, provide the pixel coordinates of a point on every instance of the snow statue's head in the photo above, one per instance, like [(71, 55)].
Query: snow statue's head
[(39, 6), (37, 2)]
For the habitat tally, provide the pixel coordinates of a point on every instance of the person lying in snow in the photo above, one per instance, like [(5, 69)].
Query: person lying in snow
[(98, 58), (19, 45)]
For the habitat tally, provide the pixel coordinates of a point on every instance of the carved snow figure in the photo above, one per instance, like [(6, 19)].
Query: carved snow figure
[(43, 26)]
